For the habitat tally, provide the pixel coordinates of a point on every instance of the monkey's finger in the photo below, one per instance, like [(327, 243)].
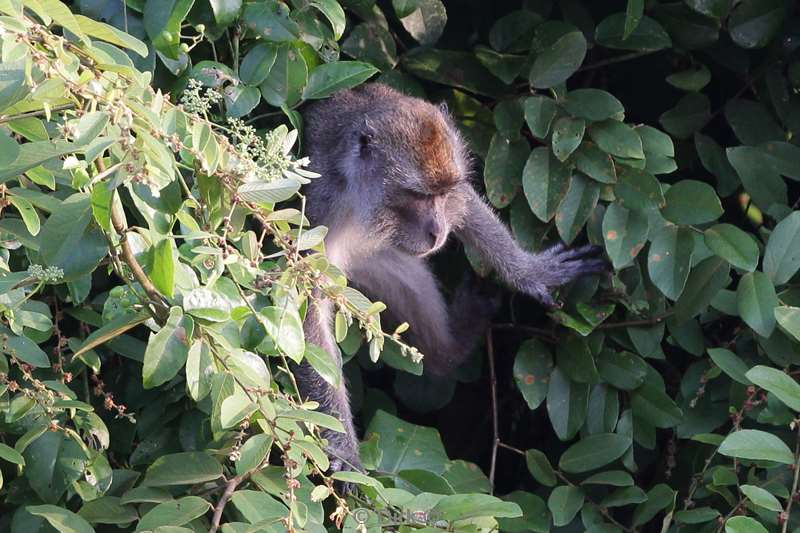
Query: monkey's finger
[(546, 299), (556, 249), (589, 266)]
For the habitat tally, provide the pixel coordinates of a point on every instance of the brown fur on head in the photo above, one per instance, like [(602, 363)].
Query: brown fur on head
[(400, 158)]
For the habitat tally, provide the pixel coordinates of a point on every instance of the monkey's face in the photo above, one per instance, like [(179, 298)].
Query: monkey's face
[(420, 221)]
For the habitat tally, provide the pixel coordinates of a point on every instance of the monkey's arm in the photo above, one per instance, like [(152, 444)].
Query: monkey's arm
[(535, 274)]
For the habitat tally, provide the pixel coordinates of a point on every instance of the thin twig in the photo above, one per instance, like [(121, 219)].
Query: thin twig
[(128, 257), (546, 334), (495, 424), (651, 321), (223, 499), (602, 510), (790, 500), (37, 113), (615, 59)]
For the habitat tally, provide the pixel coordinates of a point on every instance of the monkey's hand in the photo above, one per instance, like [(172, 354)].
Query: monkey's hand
[(557, 266)]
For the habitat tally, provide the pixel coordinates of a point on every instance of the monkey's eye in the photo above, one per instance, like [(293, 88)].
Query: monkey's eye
[(364, 140)]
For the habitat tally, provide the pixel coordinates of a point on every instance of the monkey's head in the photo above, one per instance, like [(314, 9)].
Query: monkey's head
[(402, 160)]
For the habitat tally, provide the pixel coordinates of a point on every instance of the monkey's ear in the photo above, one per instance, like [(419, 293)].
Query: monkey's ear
[(365, 136), (444, 108)]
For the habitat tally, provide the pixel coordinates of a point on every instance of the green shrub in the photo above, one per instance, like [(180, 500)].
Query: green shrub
[(152, 285)]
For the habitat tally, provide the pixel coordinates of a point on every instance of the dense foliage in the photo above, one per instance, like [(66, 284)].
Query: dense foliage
[(156, 263)]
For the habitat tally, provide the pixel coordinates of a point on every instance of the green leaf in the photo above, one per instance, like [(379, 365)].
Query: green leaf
[(593, 105), (658, 498), (617, 478), (174, 513), (200, 369), (558, 60), (328, 78), (752, 122), (23, 349), (545, 181), (372, 43), (734, 245), (575, 359), (11, 455), (669, 260), (778, 383), (647, 36), (535, 516), (714, 160), (60, 14), (756, 301), (323, 364), (504, 165), (624, 496), (110, 34), (691, 202), (540, 468), (565, 502), (426, 22), (593, 452), (782, 255), (653, 405), (270, 20), (286, 330), (753, 23), (595, 163), (624, 233), (743, 524), (240, 100), (789, 319), (63, 520), (27, 212), (286, 79), (406, 446), (567, 136), (576, 207), (465, 506), (269, 192), (453, 68), (12, 86), (332, 11), (693, 79), (257, 63), (54, 461), (705, 281), (623, 370), (617, 139), (162, 22), (539, 114), (731, 364), (765, 185), (225, 11), (532, 367), (108, 510), (186, 468), (689, 115), (167, 350), (761, 497), (756, 445), (9, 150), (69, 241), (567, 403), (163, 272), (253, 452), (633, 15), (698, 515), (257, 506)]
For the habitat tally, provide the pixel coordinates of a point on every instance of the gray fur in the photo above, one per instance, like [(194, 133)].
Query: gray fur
[(384, 218)]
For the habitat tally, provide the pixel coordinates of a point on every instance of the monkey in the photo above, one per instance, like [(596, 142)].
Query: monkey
[(394, 186)]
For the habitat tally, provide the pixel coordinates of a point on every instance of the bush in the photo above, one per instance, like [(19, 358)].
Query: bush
[(156, 263)]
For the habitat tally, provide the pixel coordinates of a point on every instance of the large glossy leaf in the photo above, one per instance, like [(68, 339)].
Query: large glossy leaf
[(426, 23), (557, 59), (162, 22), (756, 445), (270, 20), (756, 301), (532, 367), (782, 255), (545, 181), (778, 383), (734, 245), (625, 233), (669, 260), (576, 207), (564, 503), (63, 520), (187, 468), (691, 202), (54, 461), (593, 452), (167, 350), (504, 165), (328, 78), (705, 281), (406, 446), (567, 403), (647, 36)]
